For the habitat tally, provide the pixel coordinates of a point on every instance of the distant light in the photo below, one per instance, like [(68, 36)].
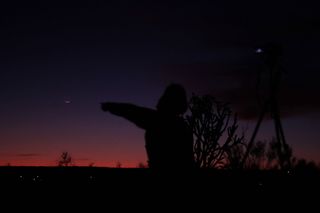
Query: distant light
[(259, 50), (21, 176), (67, 102)]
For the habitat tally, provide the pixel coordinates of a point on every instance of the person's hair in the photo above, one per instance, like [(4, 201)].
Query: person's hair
[(174, 100)]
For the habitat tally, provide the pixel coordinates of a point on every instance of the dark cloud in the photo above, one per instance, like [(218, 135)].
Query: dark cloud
[(237, 84), (227, 66)]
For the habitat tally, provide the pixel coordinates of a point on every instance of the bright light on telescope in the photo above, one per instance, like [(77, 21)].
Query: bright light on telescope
[(259, 50)]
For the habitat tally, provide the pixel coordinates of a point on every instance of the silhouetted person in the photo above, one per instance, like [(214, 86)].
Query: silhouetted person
[(169, 141)]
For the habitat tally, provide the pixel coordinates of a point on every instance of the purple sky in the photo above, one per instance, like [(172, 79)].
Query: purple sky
[(92, 51)]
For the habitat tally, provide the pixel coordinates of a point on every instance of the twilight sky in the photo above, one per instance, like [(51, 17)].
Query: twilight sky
[(59, 61)]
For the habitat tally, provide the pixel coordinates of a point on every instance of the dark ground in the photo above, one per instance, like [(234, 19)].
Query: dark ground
[(104, 186)]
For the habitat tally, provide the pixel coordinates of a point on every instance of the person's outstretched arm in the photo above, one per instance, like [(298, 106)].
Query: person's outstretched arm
[(141, 116)]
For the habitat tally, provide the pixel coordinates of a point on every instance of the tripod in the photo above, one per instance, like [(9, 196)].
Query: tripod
[(271, 54)]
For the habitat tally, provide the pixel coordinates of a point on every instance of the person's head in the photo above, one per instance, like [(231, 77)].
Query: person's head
[(173, 101)]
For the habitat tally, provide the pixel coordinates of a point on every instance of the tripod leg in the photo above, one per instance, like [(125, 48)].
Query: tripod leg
[(281, 133), (279, 139), (283, 148), (255, 132)]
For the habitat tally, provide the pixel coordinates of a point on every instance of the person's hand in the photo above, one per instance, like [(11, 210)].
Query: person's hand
[(105, 106)]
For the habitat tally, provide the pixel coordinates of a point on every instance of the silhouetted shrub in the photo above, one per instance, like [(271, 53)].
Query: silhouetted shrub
[(142, 166), (305, 167), (118, 165), (262, 155), (214, 129), (65, 160)]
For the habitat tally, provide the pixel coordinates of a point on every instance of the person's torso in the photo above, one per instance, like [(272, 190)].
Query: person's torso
[(169, 142)]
